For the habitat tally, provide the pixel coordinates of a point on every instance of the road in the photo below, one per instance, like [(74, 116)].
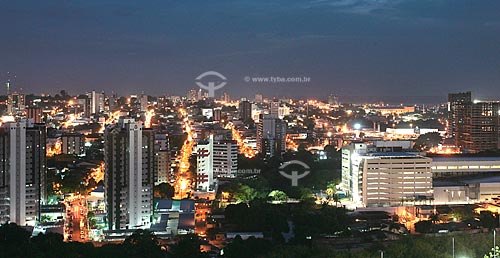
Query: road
[(184, 182), (202, 209), (76, 219)]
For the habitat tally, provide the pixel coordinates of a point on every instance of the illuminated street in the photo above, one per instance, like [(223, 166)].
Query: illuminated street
[(183, 182), (243, 148), (113, 117), (76, 219)]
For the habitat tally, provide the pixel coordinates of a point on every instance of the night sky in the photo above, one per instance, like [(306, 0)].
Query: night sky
[(346, 47)]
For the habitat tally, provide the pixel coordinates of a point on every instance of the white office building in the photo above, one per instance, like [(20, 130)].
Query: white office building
[(385, 178)]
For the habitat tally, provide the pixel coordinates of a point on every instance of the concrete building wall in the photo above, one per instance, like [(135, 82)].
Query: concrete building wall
[(23, 172), (395, 179), (129, 176)]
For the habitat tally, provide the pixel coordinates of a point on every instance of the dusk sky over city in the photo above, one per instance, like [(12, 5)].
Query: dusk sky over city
[(346, 47)]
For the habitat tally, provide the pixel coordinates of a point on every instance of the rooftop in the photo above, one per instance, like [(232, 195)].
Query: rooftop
[(394, 154), (465, 158)]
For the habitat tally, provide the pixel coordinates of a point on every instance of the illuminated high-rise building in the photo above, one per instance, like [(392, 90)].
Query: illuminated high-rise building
[(245, 110), (129, 178), (22, 172), (162, 159), (215, 159), (274, 107), (73, 144), (96, 102), (271, 136), (474, 124), (35, 114)]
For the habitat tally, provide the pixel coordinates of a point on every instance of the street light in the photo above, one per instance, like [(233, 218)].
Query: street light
[(494, 243), (453, 245)]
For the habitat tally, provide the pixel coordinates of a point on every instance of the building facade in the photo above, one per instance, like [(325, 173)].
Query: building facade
[(377, 176), (96, 102), (271, 136), (129, 177), (215, 159), (475, 125), (162, 159), (34, 113), (395, 179), (225, 158), (73, 144), (23, 172), (205, 168), (245, 110)]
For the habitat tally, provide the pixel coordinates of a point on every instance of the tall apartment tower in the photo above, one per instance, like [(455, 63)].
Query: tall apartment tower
[(129, 177), (475, 125), (9, 99), (144, 102), (225, 158), (96, 102), (162, 159), (34, 113), (205, 167), (84, 103), (274, 107), (22, 172), (271, 136), (245, 110), (458, 106), (73, 144), (215, 159), (18, 103)]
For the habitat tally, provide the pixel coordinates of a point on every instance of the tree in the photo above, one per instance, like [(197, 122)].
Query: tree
[(45, 218), (143, 243), (493, 253), (331, 151), (50, 243), (434, 218), (164, 191), (245, 194), (309, 123), (250, 123), (463, 212), (14, 241), (250, 248), (188, 246), (423, 226), (92, 220), (278, 196), (428, 140), (487, 220)]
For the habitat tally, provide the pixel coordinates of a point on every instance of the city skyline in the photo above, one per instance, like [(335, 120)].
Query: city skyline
[(242, 129), (348, 48)]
